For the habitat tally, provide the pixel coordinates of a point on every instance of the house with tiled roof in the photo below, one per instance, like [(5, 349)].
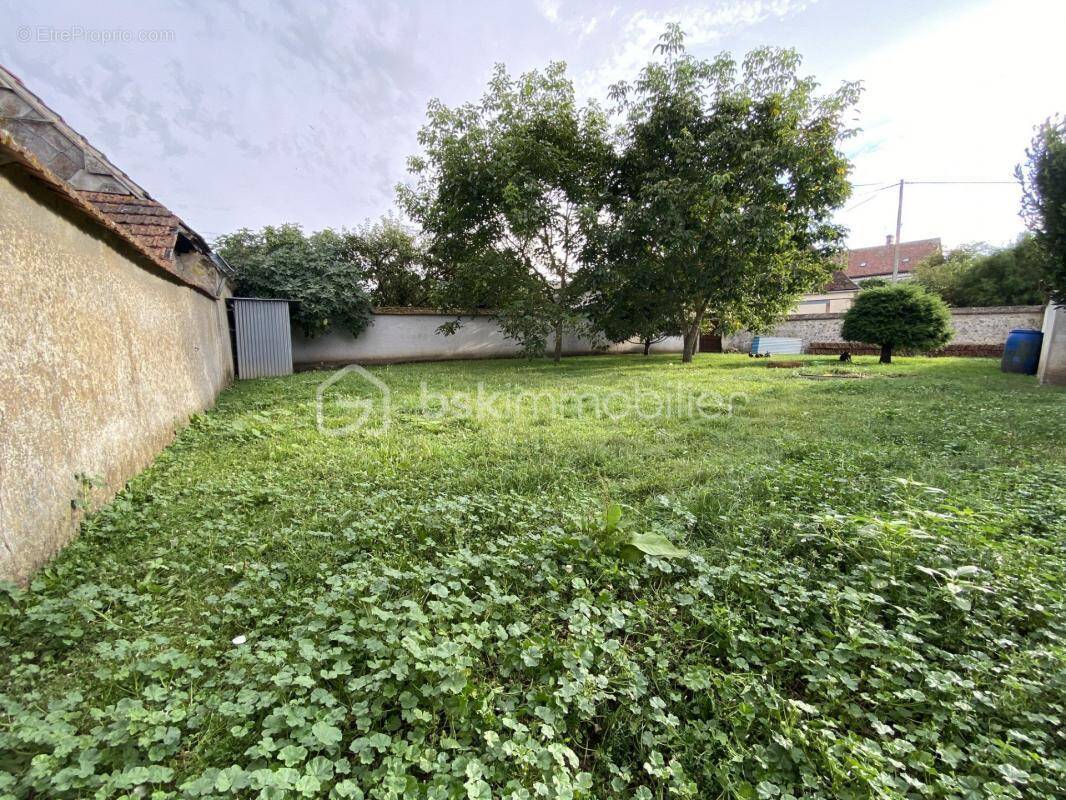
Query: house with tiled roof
[(113, 328), (835, 296), (865, 263)]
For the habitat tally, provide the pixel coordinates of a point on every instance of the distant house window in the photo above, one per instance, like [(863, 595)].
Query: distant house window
[(906, 259), (862, 263)]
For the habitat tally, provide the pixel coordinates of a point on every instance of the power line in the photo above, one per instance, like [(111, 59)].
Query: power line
[(868, 195), (890, 184), (964, 183), (899, 208), (872, 196)]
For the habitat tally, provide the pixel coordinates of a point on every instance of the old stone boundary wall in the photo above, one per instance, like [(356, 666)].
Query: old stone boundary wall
[(978, 331), (101, 359), (412, 335)]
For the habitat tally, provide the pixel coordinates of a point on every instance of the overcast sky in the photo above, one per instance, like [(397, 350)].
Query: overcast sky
[(305, 111)]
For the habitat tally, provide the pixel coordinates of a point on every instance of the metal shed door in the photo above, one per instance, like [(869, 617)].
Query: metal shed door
[(264, 343)]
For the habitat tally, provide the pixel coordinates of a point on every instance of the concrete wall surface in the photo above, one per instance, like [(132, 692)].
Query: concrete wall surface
[(100, 360), (825, 302), (410, 336), (973, 326), (1052, 368)]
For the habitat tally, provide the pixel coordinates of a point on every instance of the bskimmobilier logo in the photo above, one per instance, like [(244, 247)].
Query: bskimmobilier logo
[(352, 400)]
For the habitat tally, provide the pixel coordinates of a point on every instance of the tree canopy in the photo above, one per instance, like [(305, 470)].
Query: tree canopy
[(1043, 180), (317, 271), (902, 315), (394, 262), (711, 206), (979, 275), (637, 311), (506, 189), (724, 190)]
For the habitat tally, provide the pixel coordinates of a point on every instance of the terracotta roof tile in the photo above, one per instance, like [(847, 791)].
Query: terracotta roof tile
[(840, 282), (147, 221), (866, 262), (149, 250)]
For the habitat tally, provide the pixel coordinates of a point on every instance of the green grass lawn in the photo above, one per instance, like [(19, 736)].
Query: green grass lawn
[(868, 602)]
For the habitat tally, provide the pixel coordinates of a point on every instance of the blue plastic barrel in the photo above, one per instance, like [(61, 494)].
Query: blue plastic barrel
[(1021, 353)]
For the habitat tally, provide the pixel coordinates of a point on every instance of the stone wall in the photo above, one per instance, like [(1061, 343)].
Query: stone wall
[(978, 331), (102, 357), (411, 335)]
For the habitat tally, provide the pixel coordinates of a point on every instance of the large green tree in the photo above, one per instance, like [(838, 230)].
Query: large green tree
[(316, 270), (1043, 178), (634, 311), (902, 315), (724, 192), (394, 262), (979, 275), (506, 189)]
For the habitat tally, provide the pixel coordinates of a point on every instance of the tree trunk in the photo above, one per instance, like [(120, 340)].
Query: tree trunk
[(560, 314), (647, 346), (886, 354), (692, 336)]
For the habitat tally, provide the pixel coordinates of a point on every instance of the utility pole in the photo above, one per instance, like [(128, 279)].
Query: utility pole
[(899, 224)]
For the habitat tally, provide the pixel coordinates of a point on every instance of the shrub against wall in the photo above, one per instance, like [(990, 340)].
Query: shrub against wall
[(394, 261), (979, 275), (318, 271), (977, 331)]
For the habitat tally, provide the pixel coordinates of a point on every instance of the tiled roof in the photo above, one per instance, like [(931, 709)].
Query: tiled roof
[(867, 262), (840, 282), (14, 154), (149, 222), (66, 154)]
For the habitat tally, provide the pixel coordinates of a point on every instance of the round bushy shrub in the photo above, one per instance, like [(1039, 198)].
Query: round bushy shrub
[(902, 315)]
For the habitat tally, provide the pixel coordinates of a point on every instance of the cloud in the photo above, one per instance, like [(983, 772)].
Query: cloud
[(550, 9), (306, 111), (956, 99), (636, 35)]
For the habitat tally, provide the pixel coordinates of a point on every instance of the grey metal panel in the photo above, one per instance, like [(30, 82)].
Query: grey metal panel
[(778, 345), (264, 342)]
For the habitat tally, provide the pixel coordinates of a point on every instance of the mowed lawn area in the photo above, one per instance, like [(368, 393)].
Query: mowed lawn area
[(871, 603)]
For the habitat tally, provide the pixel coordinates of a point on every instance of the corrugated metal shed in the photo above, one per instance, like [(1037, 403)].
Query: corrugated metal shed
[(776, 345), (262, 337)]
